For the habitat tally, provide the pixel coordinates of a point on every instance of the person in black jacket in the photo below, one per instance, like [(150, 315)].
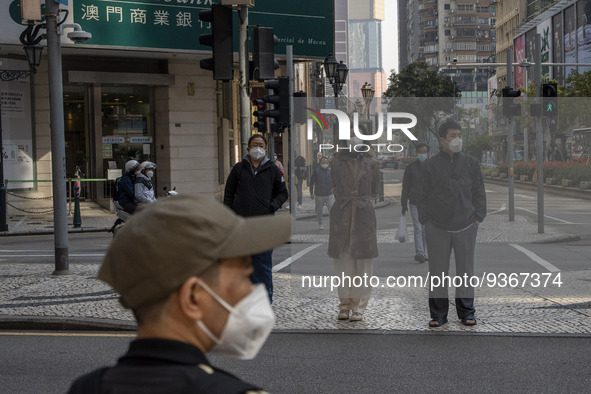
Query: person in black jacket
[(411, 194), (256, 187), (452, 207)]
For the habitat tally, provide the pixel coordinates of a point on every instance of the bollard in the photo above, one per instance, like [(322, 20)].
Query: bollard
[(77, 218)]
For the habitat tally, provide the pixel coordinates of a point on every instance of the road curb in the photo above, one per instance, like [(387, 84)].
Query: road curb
[(64, 324)]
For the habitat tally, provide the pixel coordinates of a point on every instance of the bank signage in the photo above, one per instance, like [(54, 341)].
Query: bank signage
[(174, 24)]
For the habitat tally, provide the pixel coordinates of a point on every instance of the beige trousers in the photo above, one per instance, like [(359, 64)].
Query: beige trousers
[(355, 288)]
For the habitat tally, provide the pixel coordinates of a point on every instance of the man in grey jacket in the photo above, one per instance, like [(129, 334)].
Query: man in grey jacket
[(452, 208)]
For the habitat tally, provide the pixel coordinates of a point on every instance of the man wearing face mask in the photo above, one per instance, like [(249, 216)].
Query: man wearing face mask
[(321, 189), (411, 194), (143, 188), (256, 187), (189, 290), (452, 207)]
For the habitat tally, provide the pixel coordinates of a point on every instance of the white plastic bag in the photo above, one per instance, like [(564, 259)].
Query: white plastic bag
[(401, 233)]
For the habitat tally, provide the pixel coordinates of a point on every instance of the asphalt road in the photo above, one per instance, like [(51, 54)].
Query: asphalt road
[(331, 363)]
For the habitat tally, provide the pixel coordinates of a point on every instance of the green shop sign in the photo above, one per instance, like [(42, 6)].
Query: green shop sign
[(174, 24)]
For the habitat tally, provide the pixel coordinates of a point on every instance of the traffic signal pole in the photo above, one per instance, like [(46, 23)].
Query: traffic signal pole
[(243, 79), (539, 132), (510, 126), (290, 137)]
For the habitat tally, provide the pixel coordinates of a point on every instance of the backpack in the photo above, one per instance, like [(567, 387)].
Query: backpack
[(116, 189)]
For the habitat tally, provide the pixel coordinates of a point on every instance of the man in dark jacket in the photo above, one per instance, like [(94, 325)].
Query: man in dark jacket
[(411, 194), (301, 174), (256, 187), (321, 189), (188, 287), (452, 208)]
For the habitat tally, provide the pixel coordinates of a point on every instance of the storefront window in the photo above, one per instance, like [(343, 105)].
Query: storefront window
[(127, 126)]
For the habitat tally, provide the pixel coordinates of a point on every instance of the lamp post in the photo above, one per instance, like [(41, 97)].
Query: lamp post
[(34, 58), (53, 30), (336, 72), (368, 92)]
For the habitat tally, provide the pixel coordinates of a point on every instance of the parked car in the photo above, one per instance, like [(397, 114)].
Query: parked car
[(388, 161)]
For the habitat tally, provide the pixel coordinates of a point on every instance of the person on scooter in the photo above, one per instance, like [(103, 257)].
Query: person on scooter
[(126, 186), (144, 190)]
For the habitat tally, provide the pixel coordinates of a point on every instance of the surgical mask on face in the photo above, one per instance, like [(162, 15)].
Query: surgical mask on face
[(455, 145), (325, 166), (249, 324), (422, 157), (149, 174), (274, 157), (257, 153)]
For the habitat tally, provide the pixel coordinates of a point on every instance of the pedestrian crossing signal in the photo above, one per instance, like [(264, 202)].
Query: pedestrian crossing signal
[(550, 104)]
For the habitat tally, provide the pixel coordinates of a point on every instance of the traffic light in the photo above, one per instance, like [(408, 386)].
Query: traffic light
[(279, 99), (300, 111), (550, 100), (221, 40), (509, 107), (261, 123), (263, 55)]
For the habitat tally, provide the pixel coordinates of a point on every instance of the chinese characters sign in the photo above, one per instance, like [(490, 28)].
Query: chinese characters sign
[(174, 24)]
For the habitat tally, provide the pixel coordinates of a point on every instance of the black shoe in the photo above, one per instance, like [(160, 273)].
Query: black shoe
[(420, 258)]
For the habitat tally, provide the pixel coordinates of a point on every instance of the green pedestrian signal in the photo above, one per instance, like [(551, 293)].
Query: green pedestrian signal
[(549, 94)]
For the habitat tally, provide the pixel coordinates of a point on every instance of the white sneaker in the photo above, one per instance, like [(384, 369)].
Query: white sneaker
[(300, 207), (356, 316), (343, 314), (321, 226)]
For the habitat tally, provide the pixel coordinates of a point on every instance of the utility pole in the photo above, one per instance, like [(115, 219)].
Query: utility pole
[(58, 148), (539, 131), (243, 79), (291, 142), (510, 125)]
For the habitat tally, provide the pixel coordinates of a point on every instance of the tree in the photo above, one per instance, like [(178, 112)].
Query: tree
[(426, 93)]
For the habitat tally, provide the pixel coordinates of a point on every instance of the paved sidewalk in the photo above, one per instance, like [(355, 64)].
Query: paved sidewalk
[(30, 297)]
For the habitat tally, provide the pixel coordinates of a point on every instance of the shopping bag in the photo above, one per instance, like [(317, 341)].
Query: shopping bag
[(401, 233)]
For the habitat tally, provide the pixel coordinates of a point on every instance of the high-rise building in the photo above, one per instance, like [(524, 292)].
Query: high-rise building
[(358, 24), (438, 32)]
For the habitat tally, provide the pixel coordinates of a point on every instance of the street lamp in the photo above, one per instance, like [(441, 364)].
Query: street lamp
[(336, 72), (368, 92), (33, 56)]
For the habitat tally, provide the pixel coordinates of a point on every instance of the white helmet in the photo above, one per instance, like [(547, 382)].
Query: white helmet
[(132, 166), (147, 164)]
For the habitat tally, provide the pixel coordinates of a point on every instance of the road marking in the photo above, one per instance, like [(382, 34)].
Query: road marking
[(503, 207), (61, 334), (536, 258), (293, 258), (524, 196), (546, 216)]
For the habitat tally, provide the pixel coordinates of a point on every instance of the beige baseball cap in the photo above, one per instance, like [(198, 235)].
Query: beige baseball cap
[(178, 237)]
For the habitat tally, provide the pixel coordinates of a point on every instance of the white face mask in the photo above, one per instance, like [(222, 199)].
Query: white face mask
[(257, 153), (249, 324), (149, 174), (325, 166), (455, 145)]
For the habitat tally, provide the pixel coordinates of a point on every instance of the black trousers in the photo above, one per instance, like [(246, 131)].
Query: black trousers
[(440, 243)]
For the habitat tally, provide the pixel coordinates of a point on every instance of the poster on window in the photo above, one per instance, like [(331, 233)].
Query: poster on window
[(17, 149), (584, 34), (570, 39), (519, 56)]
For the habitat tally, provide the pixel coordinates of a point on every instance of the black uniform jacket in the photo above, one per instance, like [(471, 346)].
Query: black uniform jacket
[(161, 366)]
